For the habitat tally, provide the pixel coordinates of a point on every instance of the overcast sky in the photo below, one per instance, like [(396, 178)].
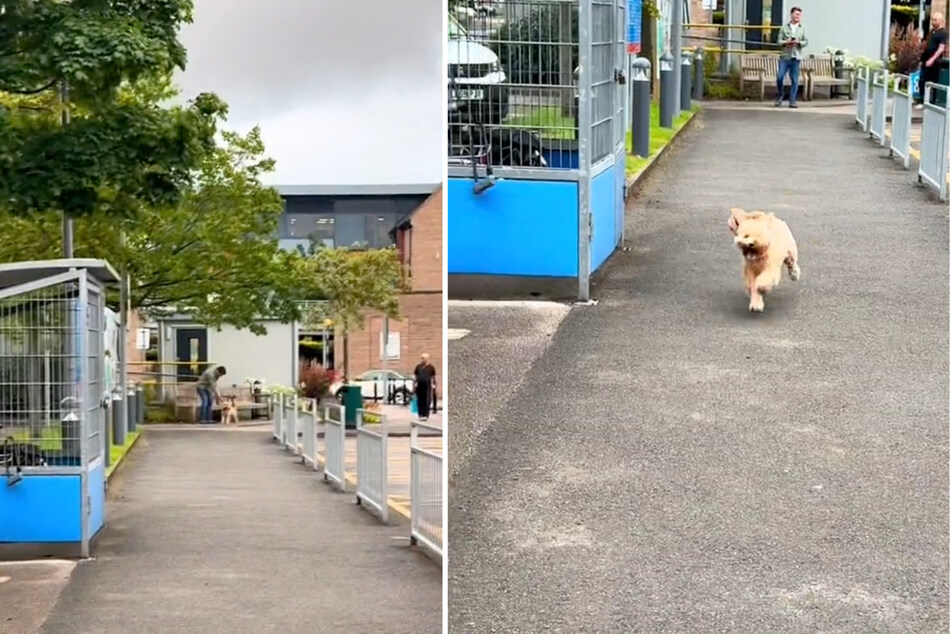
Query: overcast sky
[(345, 91)]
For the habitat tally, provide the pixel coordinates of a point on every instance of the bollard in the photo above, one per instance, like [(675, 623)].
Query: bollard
[(667, 91), (698, 75), (641, 107), (107, 430), (139, 405), (130, 407), (686, 82), (118, 429)]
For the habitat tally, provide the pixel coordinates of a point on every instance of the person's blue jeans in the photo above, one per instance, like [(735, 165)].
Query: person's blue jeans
[(791, 67), (204, 411)]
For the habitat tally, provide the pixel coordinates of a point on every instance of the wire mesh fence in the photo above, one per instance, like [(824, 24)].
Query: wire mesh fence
[(41, 367), (513, 72)]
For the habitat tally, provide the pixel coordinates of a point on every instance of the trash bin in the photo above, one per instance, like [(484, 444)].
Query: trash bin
[(941, 96), (838, 71), (352, 398)]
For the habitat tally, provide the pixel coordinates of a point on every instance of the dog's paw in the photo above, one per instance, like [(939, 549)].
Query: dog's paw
[(795, 273)]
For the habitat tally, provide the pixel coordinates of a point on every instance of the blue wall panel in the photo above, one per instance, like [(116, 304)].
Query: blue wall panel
[(527, 228), (604, 216), (41, 509), (97, 497)]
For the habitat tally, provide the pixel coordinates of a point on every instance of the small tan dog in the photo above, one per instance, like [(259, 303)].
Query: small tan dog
[(229, 412), (767, 245)]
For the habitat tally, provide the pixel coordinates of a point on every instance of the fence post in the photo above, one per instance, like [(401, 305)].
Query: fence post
[(698, 75), (667, 91), (641, 107), (384, 488), (686, 79)]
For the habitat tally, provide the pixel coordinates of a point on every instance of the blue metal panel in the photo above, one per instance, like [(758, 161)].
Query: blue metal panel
[(97, 497), (517, 227), (606, 231), (41, 509)]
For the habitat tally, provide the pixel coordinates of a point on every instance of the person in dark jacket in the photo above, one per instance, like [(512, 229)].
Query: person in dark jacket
[(934, 50), (424, 384)]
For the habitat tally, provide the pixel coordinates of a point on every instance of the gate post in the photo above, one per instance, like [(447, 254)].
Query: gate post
[(667, 90), (641, 107)]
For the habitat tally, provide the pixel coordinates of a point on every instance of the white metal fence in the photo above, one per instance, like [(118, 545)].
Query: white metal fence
[(308, 417), (933, 166), (861, 96), (277, 410), (426, 500), (372, 462), (879, 102), (900, 142), (335, 447), (290, 422)]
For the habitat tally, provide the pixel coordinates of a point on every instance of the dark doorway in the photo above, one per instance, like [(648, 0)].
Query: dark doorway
[(191, 352), (763, 12)]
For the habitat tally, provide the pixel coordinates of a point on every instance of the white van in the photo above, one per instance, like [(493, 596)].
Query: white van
[(475, 78)]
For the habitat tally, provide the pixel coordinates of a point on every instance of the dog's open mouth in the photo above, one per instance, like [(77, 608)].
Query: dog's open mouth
[(750, 251)]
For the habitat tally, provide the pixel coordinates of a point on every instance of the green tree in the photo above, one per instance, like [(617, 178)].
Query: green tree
[(342, 285), (115, 154)]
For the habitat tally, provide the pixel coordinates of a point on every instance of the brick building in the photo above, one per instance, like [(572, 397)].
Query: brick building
[(419, 238)]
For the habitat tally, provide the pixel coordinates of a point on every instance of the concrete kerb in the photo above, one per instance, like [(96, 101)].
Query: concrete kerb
[(111, 471), (638, 176)]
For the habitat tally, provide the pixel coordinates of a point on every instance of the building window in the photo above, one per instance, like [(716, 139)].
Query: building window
[(350, 230), (378, 230), (316, 227)]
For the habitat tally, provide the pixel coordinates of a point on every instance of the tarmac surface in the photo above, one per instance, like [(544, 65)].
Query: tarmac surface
[(219, 531), (667, 462)]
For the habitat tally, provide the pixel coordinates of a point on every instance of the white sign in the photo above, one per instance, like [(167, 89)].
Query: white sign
[(392, 346), (142, 338), (710, 5)]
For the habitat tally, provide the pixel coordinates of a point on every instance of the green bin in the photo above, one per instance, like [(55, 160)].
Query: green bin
[(941, 96), (352, 397)]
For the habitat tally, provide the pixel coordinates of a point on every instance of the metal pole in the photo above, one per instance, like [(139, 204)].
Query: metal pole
[(686, 81), (67, 220), (728, 34), (641, 107), (886, 24), (698, 75), (384, 356), (676, 44), (122, 353), (921, 18), (668, 98)]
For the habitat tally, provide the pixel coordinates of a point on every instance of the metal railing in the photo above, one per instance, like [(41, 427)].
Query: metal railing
[(879, 88), (335, 449), (900, 142), (308, 426), (290, 422), (861, 96), (426, 500), (277, 407), (933, 165), (372, 472)]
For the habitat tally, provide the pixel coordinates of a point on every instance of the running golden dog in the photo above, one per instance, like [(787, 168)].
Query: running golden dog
[(767, 245)]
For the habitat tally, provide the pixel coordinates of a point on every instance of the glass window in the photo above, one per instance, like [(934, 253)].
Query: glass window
[(305, 226), (378, 229), (350, 230)]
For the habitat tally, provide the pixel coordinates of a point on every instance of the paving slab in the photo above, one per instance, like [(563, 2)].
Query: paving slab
[(671, 463)]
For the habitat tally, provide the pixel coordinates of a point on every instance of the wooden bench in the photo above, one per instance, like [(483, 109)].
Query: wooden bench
[(761, 70), (187, 402), (821, 72)]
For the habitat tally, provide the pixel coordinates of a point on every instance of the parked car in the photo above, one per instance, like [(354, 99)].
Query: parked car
[(376, 384), (477, 89)]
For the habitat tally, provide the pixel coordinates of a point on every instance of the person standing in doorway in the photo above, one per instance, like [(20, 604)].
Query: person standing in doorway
[(792, 39), (935, 49), (208, 392), (424, 384)]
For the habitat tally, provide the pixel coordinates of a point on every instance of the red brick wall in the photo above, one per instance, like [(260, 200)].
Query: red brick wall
[(420, 323)]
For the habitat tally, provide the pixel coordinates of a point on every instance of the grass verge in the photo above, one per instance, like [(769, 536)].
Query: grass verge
[(118, 452), (659, 137)]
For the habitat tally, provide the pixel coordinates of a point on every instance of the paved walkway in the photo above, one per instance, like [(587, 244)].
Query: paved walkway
[(666, 462), (216, 531)]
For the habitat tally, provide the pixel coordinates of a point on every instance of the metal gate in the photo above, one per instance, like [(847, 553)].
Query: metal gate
[(537, 139)]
